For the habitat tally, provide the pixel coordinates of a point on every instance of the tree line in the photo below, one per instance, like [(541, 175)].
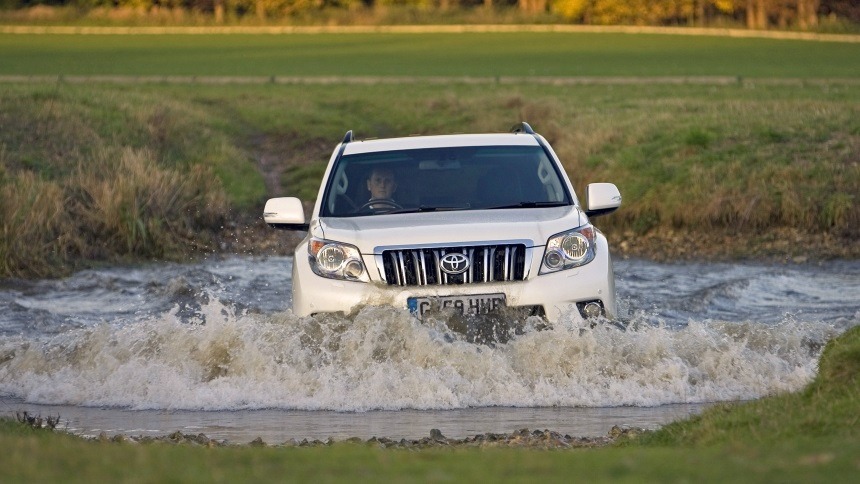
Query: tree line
[(755, 14)]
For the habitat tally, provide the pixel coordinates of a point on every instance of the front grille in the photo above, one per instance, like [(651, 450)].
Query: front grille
[(487, 263)]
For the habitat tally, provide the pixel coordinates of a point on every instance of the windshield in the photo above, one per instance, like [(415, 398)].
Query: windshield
[(436, 179)]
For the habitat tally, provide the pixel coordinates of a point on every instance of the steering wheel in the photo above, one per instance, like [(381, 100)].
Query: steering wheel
[(380, 205)]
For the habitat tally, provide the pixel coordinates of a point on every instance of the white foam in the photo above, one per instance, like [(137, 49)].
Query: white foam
[(382, 358)]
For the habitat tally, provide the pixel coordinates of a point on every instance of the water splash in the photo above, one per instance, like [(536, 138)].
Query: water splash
[(382, 358)]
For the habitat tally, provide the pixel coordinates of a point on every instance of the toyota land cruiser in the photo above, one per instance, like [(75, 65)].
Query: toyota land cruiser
[(470, 223)]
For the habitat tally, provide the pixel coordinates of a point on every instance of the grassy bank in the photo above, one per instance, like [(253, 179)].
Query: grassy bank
[(810, 436), (95, 174), (824, 412), (115, 171)]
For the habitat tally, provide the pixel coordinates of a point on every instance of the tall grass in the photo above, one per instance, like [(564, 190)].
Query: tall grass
[(31, 226), (133, 206), (118, 205), (92, 175)]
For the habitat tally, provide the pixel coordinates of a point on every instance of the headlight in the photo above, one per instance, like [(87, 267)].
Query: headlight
[(335, 260), (569, 249)]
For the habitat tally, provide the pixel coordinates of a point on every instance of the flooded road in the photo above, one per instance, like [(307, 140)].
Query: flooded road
[(213, 348)]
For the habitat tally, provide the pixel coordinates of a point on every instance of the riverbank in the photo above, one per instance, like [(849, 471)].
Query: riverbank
[(521, 439), (96, 173)]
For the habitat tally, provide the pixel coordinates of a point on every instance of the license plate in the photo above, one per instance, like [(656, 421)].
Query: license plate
[(467, 305)]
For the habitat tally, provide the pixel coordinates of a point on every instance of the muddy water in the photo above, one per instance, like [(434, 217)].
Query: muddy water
[(213, 348)]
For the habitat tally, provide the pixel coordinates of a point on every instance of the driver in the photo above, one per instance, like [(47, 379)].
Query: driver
[(382, 184)]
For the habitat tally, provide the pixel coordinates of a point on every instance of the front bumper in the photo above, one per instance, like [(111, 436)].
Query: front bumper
[(557, 293)]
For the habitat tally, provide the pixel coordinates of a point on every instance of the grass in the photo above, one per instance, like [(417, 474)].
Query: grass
[(465, 54), (746, 158), (118, 205), (754, 156), (809, 436), (94, 174)]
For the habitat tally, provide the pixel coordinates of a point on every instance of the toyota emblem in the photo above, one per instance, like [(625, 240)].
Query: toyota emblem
[(454, 263)]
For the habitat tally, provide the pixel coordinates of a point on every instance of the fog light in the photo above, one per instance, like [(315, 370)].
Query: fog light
[(592, 310)]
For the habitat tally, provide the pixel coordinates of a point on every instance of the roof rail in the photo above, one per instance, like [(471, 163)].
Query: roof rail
[(348, 137), (522, 127)]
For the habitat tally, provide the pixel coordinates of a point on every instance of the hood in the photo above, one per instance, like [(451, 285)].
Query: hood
[(531, 226)]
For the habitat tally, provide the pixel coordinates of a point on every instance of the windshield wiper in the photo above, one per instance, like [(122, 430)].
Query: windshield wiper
[(529, 205), (429, 208), (435, 208)]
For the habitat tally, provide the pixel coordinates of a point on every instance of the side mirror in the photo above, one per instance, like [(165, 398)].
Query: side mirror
[(285, 213), (601, 199)]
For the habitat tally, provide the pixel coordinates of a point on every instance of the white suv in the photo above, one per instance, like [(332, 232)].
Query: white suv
[(470, 224)]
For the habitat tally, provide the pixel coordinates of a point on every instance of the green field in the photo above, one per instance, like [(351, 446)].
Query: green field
[(464, 54)]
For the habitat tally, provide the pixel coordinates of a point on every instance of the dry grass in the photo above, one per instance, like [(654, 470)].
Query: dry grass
[(117, 205), (133, 206), (32, 226), (89, 174)]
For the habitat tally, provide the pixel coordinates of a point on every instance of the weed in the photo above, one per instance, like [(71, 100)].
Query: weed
[(36, 421), (698, 138)]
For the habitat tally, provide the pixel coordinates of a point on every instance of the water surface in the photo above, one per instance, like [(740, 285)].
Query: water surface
[(213, 348)]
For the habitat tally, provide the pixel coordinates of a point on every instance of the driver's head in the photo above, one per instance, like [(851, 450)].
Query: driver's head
[(381, 183)]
